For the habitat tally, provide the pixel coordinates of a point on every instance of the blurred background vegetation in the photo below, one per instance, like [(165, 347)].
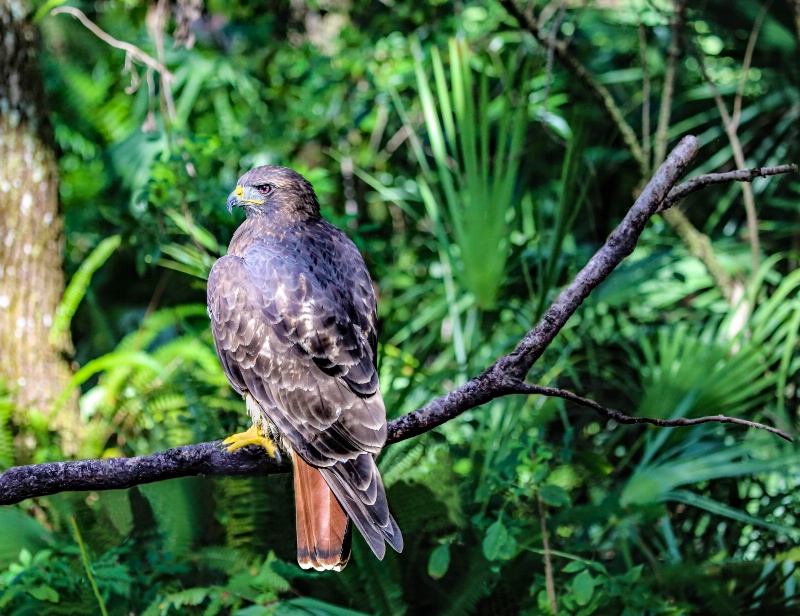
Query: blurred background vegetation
[(477, 174)]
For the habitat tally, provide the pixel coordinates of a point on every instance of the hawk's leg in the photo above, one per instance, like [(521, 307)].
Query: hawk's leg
[(252, 437), (262, 433)]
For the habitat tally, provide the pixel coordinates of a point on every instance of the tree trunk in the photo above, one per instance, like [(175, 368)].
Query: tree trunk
[(34, 370)]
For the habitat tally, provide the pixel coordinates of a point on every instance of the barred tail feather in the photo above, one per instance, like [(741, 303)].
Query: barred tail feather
[(358, 487)]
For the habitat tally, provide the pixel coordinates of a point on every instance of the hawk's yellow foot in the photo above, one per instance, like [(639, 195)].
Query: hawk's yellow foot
[(251, 437)]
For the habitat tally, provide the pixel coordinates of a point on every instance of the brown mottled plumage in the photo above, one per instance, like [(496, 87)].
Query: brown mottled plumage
[(294, 322)]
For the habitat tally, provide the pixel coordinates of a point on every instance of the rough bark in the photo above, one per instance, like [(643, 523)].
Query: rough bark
[(32, 368)]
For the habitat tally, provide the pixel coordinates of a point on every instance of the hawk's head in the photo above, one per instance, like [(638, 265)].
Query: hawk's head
[(276, 191)]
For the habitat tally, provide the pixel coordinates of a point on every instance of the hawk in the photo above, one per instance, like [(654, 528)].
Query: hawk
[(293, 315)]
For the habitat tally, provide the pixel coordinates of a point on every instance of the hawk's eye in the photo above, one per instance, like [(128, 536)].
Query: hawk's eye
[(264, 189)]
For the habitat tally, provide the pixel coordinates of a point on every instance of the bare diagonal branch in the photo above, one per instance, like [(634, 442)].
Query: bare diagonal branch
[(619, 245)]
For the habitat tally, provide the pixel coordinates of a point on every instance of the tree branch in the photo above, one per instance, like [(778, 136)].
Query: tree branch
[(619, 417), (740, 175), (131, 50), (506, 376), (23, 482)]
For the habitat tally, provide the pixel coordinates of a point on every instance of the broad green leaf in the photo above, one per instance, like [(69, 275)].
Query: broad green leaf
[(555, 495), (574, 566), (633, 574), (439, 562), (499, 544), (583, 587), (44, 593)]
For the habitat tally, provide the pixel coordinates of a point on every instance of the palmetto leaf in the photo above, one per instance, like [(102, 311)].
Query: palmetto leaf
[(469, 192)]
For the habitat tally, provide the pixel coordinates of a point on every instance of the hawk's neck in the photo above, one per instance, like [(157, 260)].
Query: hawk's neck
[(260, 230)]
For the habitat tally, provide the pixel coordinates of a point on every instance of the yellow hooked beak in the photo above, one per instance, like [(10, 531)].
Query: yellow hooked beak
[(241, 196)]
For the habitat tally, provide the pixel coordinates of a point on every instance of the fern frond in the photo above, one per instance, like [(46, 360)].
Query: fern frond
[(243, 503), (399, 460), (76, 288), (379, 585), (472, 586)]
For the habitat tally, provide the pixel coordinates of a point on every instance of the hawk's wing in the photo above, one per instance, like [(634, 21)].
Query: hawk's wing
[(294, 324)]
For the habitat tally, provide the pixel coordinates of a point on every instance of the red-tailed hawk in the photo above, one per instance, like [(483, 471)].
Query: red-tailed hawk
[(294, 322)]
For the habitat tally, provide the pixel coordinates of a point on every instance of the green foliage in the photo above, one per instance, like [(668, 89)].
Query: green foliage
[(88, 568), (22, 533), (476, 148), (256, 586), (153, 385), (77, 286), (6, 434), (476, 181)]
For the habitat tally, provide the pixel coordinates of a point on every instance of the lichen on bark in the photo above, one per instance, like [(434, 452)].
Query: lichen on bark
[(34, 370)]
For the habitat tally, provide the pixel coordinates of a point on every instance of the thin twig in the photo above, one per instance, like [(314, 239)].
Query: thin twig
[(548, 561), (746, 62), (731, 124), (156, 21), (676, 28), (551, 44), (132, 50), (797, 17), (645, 93), (648, 554), (619, 417), (698, 243), (597, 89), (740, 175)]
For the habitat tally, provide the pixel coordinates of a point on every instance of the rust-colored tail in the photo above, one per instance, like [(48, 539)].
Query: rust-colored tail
[(323, 528)]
